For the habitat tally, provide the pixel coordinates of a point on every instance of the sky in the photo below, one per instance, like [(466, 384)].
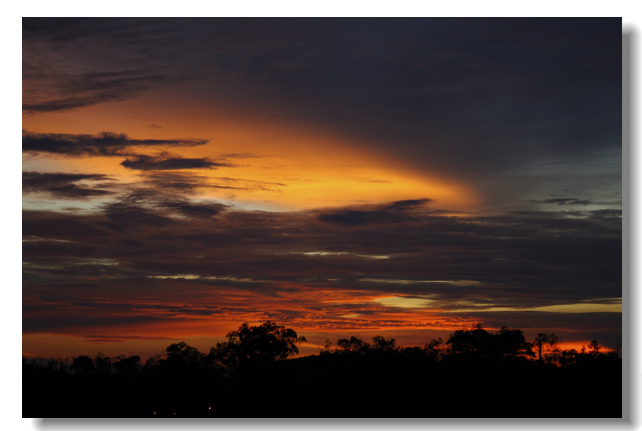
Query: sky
[(339, 176)]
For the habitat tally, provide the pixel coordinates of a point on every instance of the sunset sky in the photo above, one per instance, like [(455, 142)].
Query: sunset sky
[(404, 177)]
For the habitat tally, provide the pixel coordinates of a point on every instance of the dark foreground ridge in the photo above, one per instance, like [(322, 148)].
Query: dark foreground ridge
[(475, 373)]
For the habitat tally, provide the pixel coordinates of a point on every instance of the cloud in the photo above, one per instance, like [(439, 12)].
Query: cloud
[(157, 206), (607, 214), (117, 63), (562, 201), (66, 30), (102, 144), (396, 212), (174, 181), (122, 214), (186, 182), (63, 185), (189, 209), (165, 161), (87, 89)]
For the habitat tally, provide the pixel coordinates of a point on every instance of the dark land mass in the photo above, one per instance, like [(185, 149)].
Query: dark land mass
[(473, 374)]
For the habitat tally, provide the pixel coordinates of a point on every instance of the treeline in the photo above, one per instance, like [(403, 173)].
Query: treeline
[(474, 373)]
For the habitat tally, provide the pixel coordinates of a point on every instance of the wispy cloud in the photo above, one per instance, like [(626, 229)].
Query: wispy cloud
[(71, 91), (102, 144), (65, 185), (166, 161)]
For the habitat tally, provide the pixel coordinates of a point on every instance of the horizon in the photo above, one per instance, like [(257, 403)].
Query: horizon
[(318, 348)]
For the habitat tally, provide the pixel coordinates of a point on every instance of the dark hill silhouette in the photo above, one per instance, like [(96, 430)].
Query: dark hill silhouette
[(475, 373)]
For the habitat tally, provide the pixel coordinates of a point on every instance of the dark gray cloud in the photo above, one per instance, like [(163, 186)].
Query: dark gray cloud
[(64, 185), (102, 144), (190, 183), (62, 226), (89, 89), (608, 214), (394, 213), (121, 214), (156, 205), (206, 210), (65, 30), (174, 182), (562, 201), (166, 161), (111, 61)]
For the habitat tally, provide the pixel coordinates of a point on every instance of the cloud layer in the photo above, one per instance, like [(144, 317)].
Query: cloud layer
[(124, 265)]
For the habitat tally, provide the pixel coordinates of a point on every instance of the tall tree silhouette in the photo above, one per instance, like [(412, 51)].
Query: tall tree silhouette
[(182, 358), (546, 344), (256, 346)]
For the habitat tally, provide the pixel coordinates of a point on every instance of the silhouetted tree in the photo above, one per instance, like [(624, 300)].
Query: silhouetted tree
[(82, 364), (326, 347), (595, 347), (568, 357), (435, 348), (506, 342), (102, 363), (153, 361), (380, 344), (183, 353), (352, 346), (182, 358), (511, 342), (126, 365), (256, 346), (470, 341), (57, 365), (547, 346)]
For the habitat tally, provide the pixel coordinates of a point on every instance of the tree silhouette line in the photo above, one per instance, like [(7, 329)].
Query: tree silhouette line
[(474, 373)]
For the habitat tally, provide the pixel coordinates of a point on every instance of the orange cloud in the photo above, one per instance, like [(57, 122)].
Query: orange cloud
[(297, 165)]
